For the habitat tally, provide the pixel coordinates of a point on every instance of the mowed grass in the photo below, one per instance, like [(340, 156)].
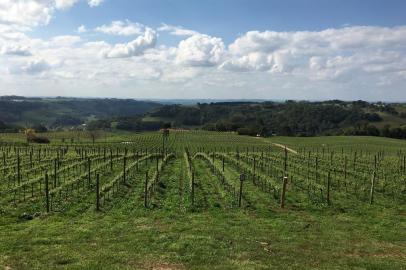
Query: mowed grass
[(339, 143), (172, 234)]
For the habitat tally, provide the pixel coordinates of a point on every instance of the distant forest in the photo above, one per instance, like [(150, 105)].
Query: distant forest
[(290, 118)]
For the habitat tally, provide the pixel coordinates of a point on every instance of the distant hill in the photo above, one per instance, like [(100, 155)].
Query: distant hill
[(64, 112), (246, 117), (290, 118)]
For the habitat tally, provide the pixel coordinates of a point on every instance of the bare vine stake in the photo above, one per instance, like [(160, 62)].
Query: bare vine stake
[(18, 168), (146, 190), (88, 171), (124, 169), (55, 173), (97, 193), (371, 201), (193, 189), (285, 179), (328, 186), (47, 192), (242, 178)]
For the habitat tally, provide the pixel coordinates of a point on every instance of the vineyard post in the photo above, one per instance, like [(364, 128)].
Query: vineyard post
[(213, 160), (253, 176), (285, 181), (47, 192), (88, 171), (124, 169), (285, 164), (404, 164), (18, 168), (328, 186), (4, 163), (242, 178), (223, 163), (157, 161), (137, 161), (193, 189), (55, 173), (111, 159), (146, 190), (97, 193), (371, 201)]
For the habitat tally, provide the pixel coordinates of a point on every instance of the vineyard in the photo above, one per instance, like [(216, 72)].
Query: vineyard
[(192, 199)]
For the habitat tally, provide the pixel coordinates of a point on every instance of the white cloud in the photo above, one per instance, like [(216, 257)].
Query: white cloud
[(177, 30), (121, 28), (32, 13), (64, 4), (94, 3), (31, 67), (26, 12), (351, 62), (134, 48), (81, 29), (65, 41), (200, 50), (17, 50)]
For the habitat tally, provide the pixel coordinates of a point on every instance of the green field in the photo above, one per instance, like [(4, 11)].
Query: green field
[(173, 203)]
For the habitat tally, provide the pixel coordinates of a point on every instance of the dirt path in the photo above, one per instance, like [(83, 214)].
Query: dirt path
[(287, 148)]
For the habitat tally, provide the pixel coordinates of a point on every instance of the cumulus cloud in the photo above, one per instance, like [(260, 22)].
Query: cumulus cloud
[(65, 41), (177, 30), (64, 4), (32, 13), (15, 50), (95, 3), (134, 48), (81, 29), (307, 51), (121, 28), (31, 67), (200, 50), (26, 12), (302, 64)]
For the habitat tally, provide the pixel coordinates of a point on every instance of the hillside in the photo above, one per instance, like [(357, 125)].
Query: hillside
[(290, 118), (66, 112)]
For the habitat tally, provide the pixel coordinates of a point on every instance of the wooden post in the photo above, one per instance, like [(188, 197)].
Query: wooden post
[(223, 163), (242, 178), (193, 189), (47, 192), (285, 181), (18, 168), (111, 159), (97, 193), (88, 171), (146, 190), (328, 186), (124, 169), (371, 199), (55, 173)]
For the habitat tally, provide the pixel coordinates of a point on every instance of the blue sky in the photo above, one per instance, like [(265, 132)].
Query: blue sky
[(230, 18), (287, 49)]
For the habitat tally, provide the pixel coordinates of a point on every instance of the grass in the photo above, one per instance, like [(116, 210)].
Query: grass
[(349, 234)]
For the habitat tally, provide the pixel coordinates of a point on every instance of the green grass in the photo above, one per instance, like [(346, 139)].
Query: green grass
[(171, 234)]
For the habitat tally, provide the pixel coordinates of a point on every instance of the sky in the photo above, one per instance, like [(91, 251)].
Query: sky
[(212, 49)]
